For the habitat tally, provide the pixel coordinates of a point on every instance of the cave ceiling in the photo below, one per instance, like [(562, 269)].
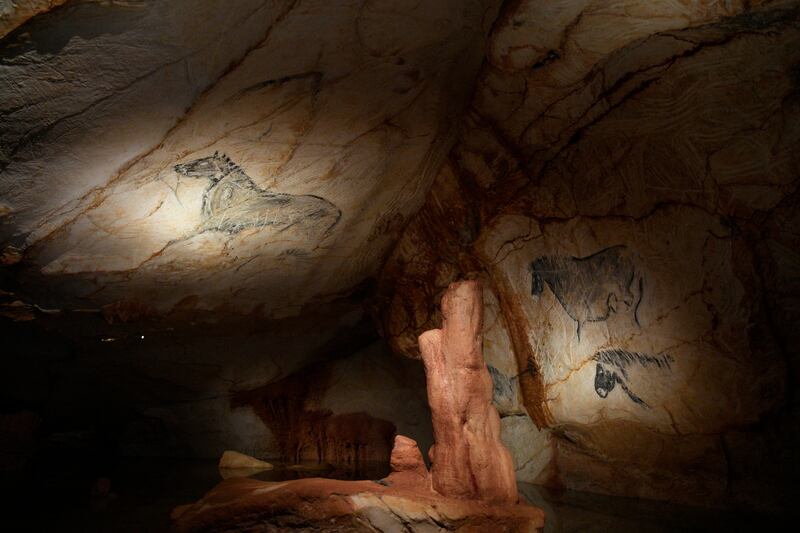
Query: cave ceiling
[(254, 158), (226, 157)]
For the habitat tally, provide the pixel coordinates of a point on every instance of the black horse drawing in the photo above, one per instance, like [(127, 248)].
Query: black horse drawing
[(591, 288), (233, 202), (612, 368)]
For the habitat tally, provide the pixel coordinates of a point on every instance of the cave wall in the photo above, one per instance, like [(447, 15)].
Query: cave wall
[(345, 412), (14, 14), (625, 184), (195, 197), (162, 387), (193, 393), (119, 120), (195, 194)]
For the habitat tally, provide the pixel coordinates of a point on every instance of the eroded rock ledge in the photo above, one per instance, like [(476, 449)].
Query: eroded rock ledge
[(402, 502), (471, 486)]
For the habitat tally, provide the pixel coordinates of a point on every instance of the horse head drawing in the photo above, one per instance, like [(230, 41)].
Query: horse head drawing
[(214, 167), (604, 381)]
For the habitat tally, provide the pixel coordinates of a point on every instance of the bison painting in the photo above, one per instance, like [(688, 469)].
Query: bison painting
[(591, 288)]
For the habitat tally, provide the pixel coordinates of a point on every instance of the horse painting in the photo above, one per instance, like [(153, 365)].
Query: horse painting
[(233, 202)]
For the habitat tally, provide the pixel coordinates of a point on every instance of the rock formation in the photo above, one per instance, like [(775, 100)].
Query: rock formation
[(346, 412), (335, 139), (202, 285), (471, 486), (408, 466), (469, 459), (624, 187), (403, 501), (233, 459), (14, 14)]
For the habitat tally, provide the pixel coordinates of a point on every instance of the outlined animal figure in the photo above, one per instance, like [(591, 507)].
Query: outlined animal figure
[(591, 288), (613, 365), (503, 387), (233, 202)]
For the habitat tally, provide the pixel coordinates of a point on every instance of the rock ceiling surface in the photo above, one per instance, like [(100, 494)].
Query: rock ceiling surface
[(253, 154)]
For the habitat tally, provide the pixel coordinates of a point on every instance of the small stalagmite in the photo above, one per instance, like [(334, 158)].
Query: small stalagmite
[(469, 459), (408, 466)]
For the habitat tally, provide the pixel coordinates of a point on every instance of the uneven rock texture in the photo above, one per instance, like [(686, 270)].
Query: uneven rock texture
[(328, 122), (14, 13), (401, 502), (531, 449), (198, 197), (469, 460), (332, 506), (623, 188), (408, 466), (195, 193), (344, 413), (471, 486)]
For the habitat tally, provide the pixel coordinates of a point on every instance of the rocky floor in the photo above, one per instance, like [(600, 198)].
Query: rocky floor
[(144, 491)]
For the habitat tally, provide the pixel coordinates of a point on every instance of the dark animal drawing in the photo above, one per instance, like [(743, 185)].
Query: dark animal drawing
[(591, 288), (233, 202), (503, 387), (613, 365)]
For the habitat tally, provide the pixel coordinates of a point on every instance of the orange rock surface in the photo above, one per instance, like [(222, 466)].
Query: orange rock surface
[(471, 486), (403, 501), (469, 459)]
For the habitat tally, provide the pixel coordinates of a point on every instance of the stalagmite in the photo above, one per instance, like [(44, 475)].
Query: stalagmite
[(469, 459)]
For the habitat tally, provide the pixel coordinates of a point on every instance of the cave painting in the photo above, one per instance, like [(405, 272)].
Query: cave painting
[(612, 368), (233, 202), (503, 387), (591, 288)]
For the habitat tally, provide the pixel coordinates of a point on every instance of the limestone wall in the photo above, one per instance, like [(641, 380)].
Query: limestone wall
[(625, 185)]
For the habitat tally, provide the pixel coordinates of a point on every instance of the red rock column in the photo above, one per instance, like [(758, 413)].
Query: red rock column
[(469, 459)]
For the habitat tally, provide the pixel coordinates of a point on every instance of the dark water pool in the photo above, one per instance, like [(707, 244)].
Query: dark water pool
[(141, 494), (144, 491)]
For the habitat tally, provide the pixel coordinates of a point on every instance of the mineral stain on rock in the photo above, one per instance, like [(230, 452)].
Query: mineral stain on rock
[(591, 288), (233, 202), (305, 433)]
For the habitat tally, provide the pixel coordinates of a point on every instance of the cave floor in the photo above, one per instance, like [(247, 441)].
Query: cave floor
[(144, 491)]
